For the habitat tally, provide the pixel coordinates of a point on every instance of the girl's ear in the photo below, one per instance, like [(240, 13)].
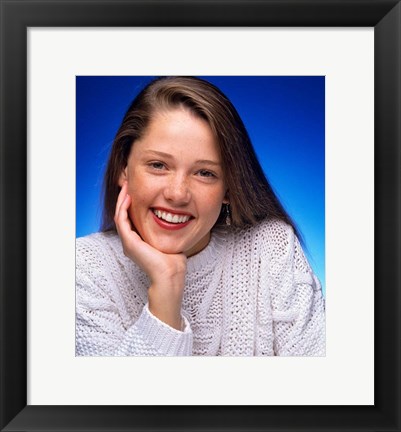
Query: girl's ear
[(123, 177), (226, 199)]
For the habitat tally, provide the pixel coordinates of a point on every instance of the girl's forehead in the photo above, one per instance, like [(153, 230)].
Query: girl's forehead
[(178, 129)]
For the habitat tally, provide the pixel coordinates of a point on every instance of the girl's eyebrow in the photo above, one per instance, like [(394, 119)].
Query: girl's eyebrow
[(169, 156), (159, 153), (208, 162)]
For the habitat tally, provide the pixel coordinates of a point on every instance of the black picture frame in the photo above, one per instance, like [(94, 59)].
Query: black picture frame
[(16, 18)]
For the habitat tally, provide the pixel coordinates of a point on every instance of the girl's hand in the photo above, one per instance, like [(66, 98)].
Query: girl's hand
[(166, 271)]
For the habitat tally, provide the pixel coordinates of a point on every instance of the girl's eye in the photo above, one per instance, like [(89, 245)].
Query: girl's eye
[(157, 165), (205, 173)]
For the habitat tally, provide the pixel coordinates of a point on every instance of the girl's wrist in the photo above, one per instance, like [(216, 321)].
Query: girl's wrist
[(165, 302), (174, 282), (171, 318)]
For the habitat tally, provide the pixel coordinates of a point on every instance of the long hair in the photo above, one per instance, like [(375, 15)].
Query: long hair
[(251, 197)]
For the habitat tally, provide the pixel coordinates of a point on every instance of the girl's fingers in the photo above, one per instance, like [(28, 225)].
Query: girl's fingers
[(122, 220), (133, 246), (120, 199), (151, 260)]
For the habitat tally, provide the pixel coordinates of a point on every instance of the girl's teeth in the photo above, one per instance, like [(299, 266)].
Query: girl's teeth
[(171, 218)]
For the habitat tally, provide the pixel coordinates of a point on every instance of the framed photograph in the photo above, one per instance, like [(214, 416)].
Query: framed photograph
[(44, 47)]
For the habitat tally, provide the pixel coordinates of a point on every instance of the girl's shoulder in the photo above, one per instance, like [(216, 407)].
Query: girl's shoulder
[(98, 245), (272, 231), (269, 239), (97, 238)]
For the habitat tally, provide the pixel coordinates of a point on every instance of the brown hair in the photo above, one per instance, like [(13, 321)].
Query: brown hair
[(249, 192)]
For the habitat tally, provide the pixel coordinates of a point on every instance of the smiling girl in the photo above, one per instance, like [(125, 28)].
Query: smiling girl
[(196, 254)]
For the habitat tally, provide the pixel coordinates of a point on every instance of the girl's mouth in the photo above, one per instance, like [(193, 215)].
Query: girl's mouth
[(169, 220)]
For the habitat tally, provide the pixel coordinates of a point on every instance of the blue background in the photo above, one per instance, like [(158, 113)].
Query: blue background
[(284, 116)]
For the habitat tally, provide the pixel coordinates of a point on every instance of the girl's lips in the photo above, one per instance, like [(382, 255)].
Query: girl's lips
[(163, 209), (169, 225)]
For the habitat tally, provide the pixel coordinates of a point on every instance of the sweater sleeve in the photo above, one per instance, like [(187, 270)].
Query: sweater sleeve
[(150, 336), (298, 306), (103, 325)]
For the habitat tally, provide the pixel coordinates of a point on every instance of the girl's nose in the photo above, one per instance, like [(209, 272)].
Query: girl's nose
[(177, 190)]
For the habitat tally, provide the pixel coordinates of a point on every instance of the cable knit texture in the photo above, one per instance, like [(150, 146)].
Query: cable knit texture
[(250, 292)]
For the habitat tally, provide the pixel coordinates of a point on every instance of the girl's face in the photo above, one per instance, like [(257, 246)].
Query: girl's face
[(175, 179)]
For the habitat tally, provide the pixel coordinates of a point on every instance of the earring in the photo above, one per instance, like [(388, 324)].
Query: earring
[(228, 214)]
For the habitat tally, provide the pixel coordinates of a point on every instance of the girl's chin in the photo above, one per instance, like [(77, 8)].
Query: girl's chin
[(167, 249), (188, 249), (173, 249)]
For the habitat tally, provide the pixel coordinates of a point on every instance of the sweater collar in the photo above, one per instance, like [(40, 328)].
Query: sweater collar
[(209, 255)]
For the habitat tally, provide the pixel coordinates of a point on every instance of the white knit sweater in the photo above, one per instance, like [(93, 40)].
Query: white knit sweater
[(248, 293)]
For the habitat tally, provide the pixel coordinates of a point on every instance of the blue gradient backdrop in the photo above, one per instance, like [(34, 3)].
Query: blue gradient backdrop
[(284, 116)]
